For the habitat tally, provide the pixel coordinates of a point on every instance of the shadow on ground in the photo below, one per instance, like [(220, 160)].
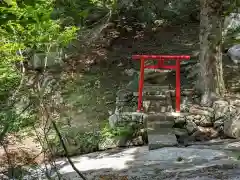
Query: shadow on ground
[(161, 164)]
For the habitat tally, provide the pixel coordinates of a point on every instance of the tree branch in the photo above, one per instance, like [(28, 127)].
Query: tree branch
[(7, 125), (10, 165), (66, 151)]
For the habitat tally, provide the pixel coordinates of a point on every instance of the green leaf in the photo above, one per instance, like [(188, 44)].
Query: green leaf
[(9, 2), (84, 13)]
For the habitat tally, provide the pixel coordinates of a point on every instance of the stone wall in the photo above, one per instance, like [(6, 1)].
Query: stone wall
[(200, 123), (196, 123)]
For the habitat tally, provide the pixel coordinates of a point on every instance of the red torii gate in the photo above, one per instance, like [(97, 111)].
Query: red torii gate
[(160, 65)]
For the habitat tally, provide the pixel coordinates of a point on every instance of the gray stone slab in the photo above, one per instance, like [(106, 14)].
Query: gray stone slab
[(161, 97), (154, 106), (160, 124), (158, 103), (160, 117), (156, 89), (160, 131), (160, 108), (156, 141)]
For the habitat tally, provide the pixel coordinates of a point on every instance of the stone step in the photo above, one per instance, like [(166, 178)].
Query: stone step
[(160, 97), (161, 126), (184, 92), (158, 125), (160, 109), (141, 117), (164, 71), (160, 129), (156, 141), (169, 116), (153, 106), (155, 90), (164, 125)]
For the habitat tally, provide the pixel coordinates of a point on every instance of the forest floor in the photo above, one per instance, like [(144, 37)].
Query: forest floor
[(91, 94)]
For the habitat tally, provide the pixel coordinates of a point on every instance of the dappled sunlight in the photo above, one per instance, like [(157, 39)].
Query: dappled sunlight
[(198, 167), (136, 156), (187, 154), (116, 161), (140, 162)]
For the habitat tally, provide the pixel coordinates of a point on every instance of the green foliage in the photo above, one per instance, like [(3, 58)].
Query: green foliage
[(76, 142), (25, 24), (79, 142), (32, 27), (80, 12), (233, 36), (230, 6), (9, 78), (16, 122), (107, 131)]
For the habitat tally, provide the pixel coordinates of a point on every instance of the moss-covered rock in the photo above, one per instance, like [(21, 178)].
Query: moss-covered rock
[(78, 143), (112, 142)]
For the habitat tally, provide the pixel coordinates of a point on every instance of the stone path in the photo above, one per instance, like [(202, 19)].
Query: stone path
[(170, 163)]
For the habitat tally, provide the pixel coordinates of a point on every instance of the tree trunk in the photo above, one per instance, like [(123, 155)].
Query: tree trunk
[(211, 71)]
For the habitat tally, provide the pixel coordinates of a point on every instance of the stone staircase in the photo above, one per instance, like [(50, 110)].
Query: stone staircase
[(158, 105), (160, 131), (158, 109)]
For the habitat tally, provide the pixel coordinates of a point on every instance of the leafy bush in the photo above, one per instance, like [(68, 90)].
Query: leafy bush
[(79, 142), (76, 142), (24, 24), (107, 131)]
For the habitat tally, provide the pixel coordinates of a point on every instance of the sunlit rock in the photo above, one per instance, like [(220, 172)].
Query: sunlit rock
[(234, 53)]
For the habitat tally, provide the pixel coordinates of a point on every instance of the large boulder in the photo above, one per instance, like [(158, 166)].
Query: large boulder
[(205, 133), (203, 111), (112, 142), (230, 31), (42, 60), (234, 53), (231, 22), (221, 109), (232, 126)]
